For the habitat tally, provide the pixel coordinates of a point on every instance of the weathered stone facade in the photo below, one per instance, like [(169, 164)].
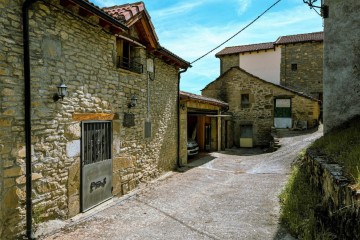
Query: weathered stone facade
[(65, 47), (307, 75), (294, 61), (260, 111), (229, 61), (341, 63)]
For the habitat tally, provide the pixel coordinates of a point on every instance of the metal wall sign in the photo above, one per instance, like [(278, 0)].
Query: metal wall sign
[(96, 163), (129, 120)]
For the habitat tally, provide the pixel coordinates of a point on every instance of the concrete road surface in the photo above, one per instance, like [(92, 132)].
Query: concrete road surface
[(224, 195)]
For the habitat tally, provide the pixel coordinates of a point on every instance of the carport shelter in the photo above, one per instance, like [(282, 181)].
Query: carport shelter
[(202, 119)]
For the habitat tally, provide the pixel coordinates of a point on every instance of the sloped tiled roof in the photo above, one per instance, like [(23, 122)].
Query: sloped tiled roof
[(130, 13), (298, 38), (187, 95), (246, 48), (171, 54), (126, 11), (86, 4), (307, 37)]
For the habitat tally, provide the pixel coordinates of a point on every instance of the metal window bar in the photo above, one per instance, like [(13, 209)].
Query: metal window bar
[(96, 142), (129, 64)]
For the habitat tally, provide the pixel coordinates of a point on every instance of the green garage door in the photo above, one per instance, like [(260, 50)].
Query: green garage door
[(282, 115)]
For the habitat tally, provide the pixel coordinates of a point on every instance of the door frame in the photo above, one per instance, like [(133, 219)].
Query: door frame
[(95, 176)]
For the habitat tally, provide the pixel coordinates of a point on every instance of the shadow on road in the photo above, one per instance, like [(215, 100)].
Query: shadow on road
[(282, 133), (196, 161)]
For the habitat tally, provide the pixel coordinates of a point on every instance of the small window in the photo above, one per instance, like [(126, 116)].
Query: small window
[(126, 55), (294, 66), (245, 100), (246, 131)]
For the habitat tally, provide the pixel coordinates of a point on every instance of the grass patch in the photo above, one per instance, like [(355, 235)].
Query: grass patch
[(301, 204), (298, 201), (342, 146)]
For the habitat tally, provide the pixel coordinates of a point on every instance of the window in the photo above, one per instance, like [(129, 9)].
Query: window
[(245, 100), (246, 131), (294, 66), (128, 56)]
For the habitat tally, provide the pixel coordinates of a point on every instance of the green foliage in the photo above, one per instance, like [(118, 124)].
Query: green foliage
[(298, 201), (343, 147)]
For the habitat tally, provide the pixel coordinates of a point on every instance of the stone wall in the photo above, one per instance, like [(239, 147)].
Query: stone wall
[(260, 112), (308, 76), (229, 61), (339, 209), (66, 48), (341, 63)]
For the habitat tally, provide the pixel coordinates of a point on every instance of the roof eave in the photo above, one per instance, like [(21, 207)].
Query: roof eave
[(173, 57), (100, 13)]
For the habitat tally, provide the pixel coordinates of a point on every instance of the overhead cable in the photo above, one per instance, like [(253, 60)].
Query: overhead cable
[(253, 21)]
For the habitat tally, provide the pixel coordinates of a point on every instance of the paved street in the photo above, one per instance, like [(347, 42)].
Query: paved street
[(225, 195)]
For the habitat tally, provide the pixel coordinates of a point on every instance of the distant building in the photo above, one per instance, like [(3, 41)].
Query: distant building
[(294, 61), (257, 105)]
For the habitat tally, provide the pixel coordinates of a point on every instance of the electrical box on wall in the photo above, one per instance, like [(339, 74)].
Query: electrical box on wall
[(150, 65), (147, 129)]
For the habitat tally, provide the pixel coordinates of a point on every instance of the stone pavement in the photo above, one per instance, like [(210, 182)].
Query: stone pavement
[(225, 195)]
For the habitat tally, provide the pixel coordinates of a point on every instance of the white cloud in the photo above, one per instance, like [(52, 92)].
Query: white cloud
[(243, 5), (175, 10), (178, 31)]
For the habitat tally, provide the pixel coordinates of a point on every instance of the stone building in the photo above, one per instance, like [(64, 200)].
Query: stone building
[(294, 61), (257, 105), (202, 119), (341, 62), (59, 157)]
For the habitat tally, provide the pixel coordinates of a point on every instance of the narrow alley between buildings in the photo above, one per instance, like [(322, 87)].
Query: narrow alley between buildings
[(224, 195)]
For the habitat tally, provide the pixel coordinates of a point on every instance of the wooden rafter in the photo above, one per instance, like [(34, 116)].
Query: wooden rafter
[(85, 13)]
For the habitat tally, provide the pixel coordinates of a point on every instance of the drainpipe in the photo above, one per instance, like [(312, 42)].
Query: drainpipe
[(27, 105), (178, 113)]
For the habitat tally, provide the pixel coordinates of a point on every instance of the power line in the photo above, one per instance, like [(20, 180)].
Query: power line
[(253, 21)]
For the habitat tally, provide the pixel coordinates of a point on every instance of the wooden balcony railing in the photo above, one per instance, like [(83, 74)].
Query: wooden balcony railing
[(129, 64)]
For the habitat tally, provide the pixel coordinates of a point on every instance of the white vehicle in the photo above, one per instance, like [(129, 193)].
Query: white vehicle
[(192, 147)]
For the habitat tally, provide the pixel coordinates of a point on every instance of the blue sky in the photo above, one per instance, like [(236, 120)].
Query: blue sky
[(190, 28)]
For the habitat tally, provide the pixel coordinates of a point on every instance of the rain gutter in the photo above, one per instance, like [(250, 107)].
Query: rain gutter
[(178, 118), (27, 105)]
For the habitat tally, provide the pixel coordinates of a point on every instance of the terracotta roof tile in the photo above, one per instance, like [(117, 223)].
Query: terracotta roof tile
[(126, 11), (307, 37), (184, 95), (246, 48)]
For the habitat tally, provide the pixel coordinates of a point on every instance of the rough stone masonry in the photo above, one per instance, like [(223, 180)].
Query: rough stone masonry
[(66, 48)]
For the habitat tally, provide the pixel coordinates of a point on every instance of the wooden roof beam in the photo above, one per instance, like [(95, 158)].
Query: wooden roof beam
[(85, 13)]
